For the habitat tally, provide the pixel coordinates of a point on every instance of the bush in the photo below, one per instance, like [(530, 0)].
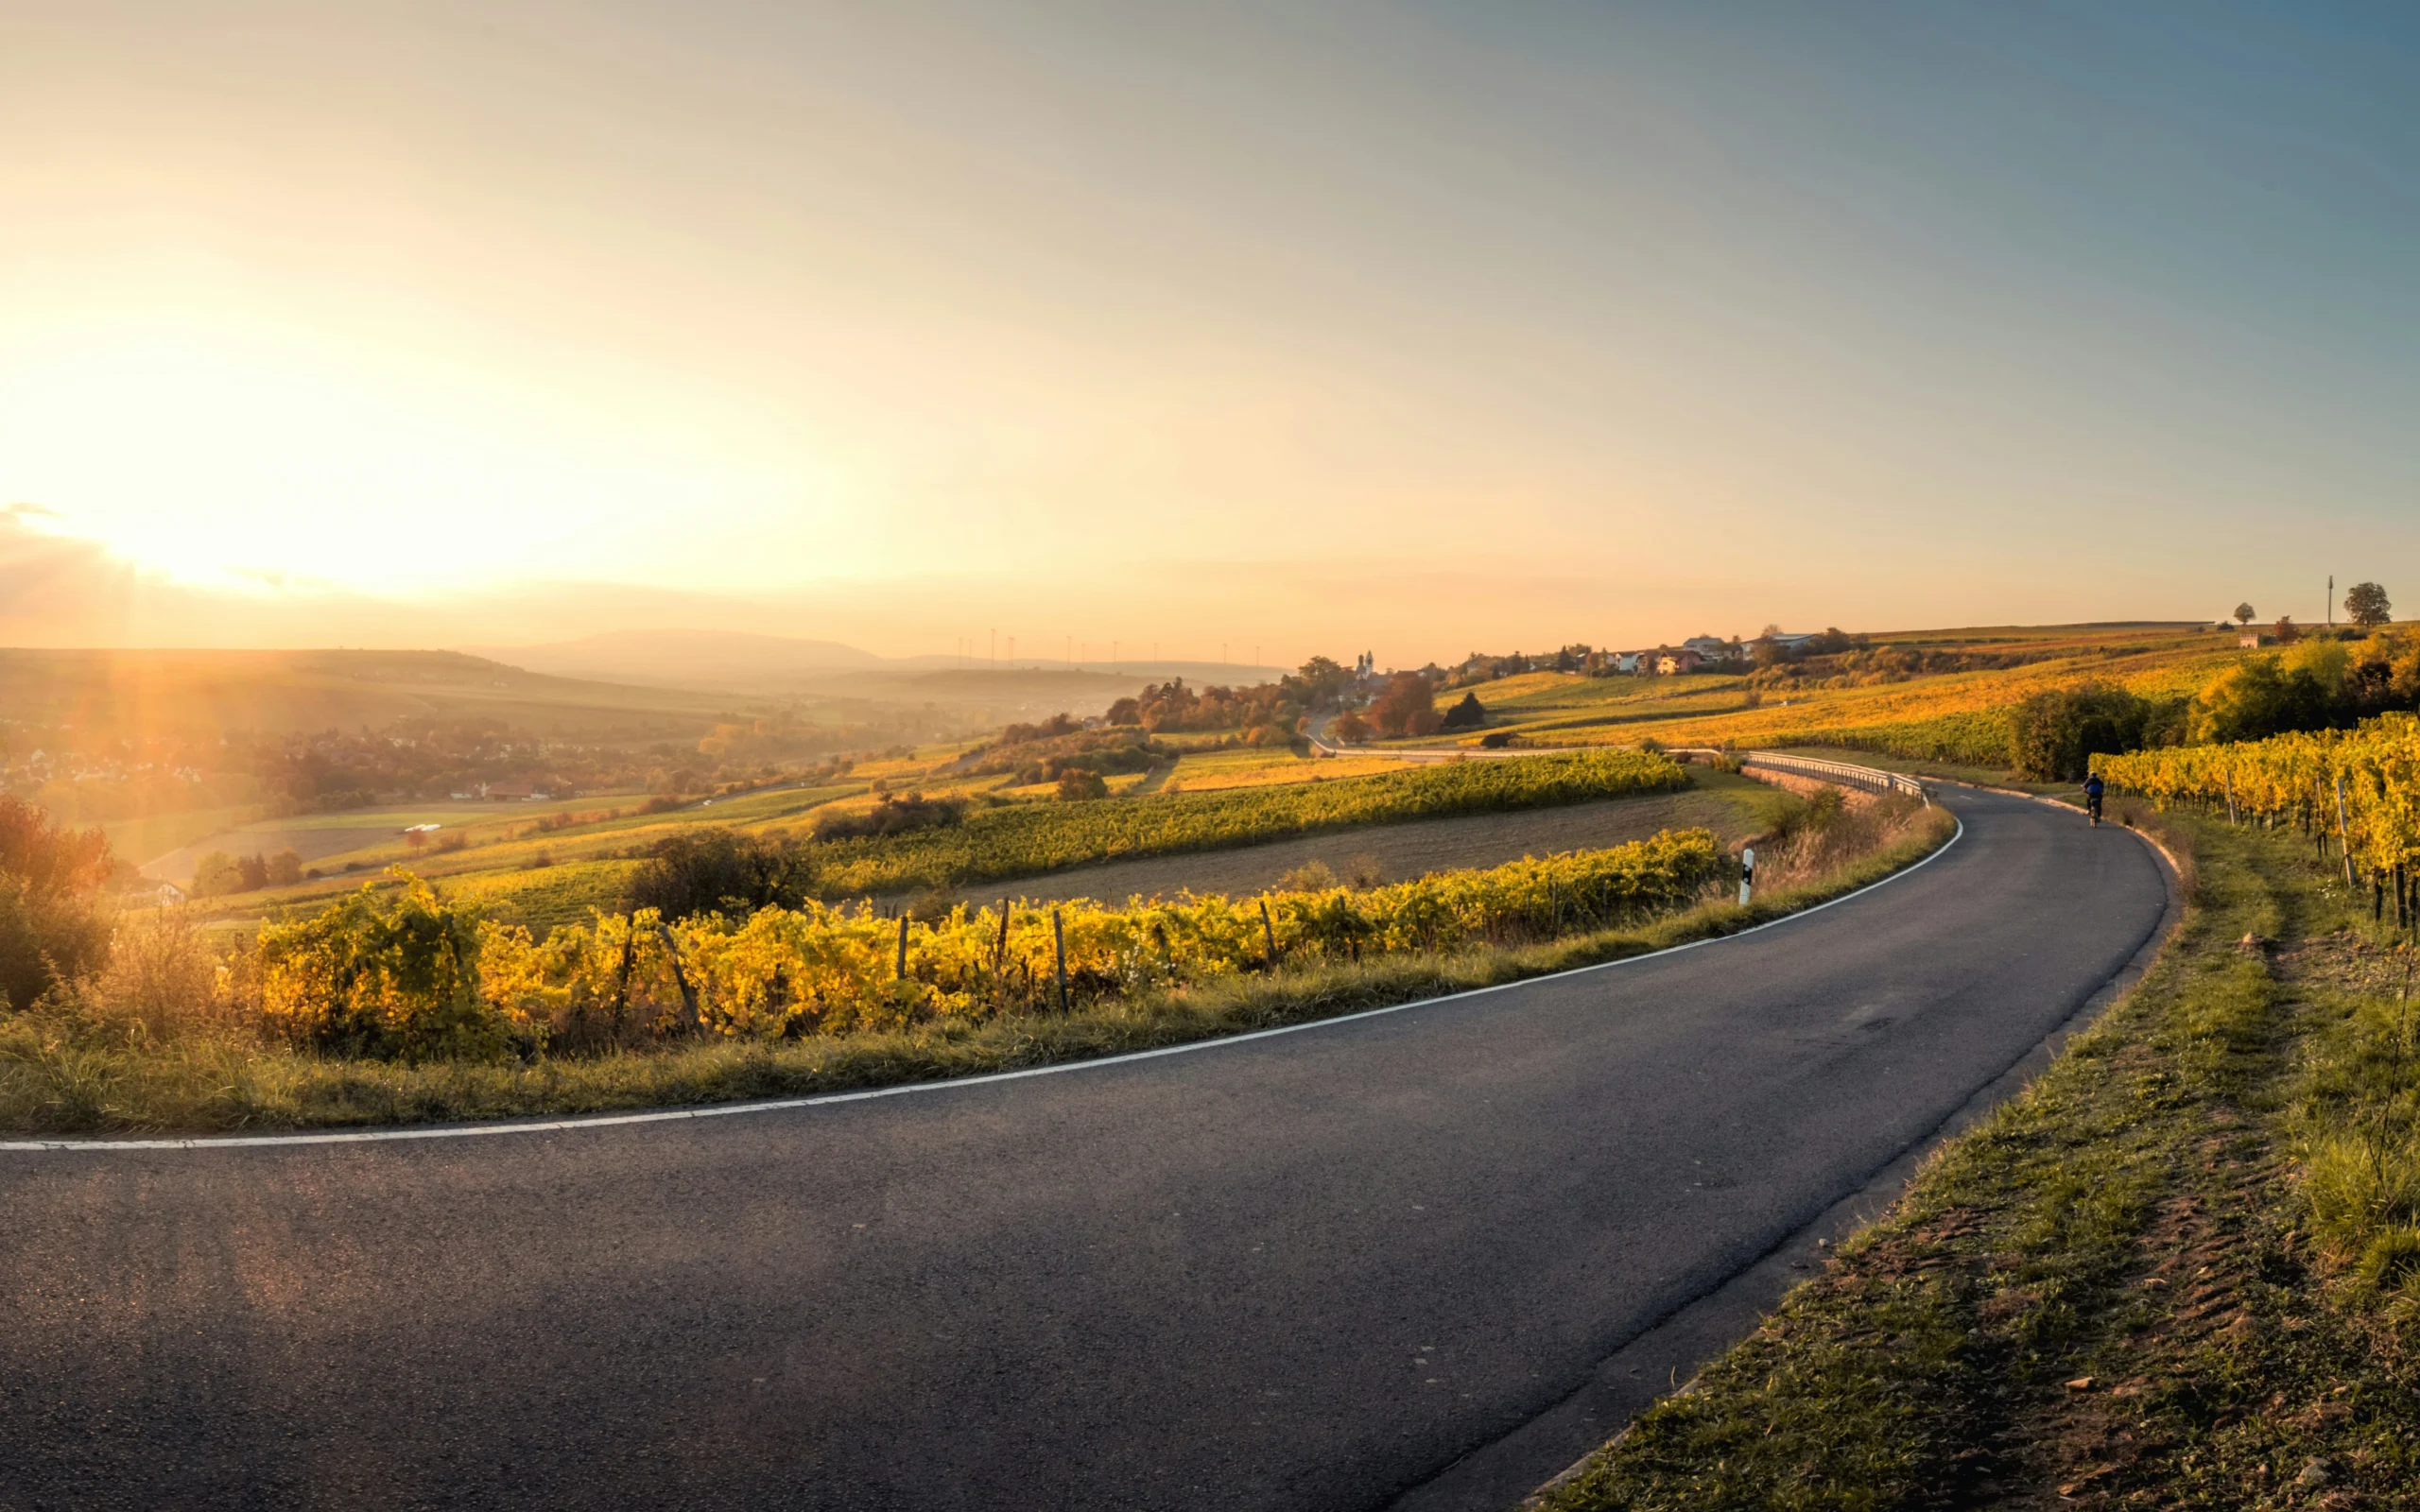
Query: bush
[(893, 816), (1468, 715), (719, 871), (392, 977), (51, 928), (1311, 876), (2055, 733), (1076, 785), (161, 979)]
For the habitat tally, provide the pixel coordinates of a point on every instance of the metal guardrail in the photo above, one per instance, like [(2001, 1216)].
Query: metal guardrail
[(1868, 779)]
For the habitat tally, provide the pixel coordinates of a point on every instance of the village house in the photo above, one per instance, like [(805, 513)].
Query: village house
[(1672, 664)]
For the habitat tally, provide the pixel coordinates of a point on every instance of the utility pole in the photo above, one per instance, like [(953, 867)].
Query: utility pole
[(2331, 601)]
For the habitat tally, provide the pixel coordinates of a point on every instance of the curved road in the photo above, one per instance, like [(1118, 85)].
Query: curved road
[(1308, 1270)]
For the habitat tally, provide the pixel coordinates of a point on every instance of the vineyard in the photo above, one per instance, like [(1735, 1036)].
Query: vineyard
[(2353, 794), (1954, 716), (1026, 840), (407, 973)]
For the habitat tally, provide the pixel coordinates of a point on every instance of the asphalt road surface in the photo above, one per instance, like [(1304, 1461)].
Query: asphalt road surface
[(1310, 1270)]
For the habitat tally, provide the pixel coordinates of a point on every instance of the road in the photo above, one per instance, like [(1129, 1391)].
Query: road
[(1308, 1270)]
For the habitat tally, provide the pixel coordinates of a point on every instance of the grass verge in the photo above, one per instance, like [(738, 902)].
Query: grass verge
[(50, 1082), (2180, 1270)]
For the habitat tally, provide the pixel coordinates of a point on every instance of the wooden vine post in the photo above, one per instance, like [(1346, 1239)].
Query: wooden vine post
[(680, 977), (2344, 831), (1269, 933), (1001, 957), (1059, 955), (901, 972)]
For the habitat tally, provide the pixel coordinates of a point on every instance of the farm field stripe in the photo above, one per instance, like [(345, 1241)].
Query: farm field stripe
[(573, 1124)]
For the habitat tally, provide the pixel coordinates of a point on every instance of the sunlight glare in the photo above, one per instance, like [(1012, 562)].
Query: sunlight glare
[(238, 461)]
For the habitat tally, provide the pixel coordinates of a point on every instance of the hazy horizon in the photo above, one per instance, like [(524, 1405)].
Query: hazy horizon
[(1414, 329)]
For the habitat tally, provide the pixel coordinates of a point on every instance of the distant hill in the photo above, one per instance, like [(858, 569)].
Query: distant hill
[(789, 667), (281, 691), (689, 659)]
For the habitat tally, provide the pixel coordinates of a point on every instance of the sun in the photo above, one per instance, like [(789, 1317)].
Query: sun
[(234, 458)]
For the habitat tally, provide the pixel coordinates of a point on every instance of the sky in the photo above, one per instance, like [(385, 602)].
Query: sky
[(1410, 327)]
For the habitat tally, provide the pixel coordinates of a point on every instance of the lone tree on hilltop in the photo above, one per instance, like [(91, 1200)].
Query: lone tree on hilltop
[(2245, 613), (2367, 605)]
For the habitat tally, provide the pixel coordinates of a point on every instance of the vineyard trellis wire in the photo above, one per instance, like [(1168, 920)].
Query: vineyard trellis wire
[(825, 969)]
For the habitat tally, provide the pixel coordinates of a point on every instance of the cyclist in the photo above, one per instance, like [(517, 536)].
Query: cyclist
[(2092, 797)]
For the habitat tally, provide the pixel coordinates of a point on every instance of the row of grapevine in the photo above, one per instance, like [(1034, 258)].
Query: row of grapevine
[(358, 974), (1028, 839), (2358, 790)]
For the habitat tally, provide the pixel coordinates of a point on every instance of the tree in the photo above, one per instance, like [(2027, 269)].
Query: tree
[(2368, 606), (1321, 680), (51, 929), (2244, 613), (218, 874), (2287, 631), (1468, 715), (1408, 707), (1350, 727)]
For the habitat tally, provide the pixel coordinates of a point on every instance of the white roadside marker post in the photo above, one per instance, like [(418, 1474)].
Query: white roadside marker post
[(1747, 873)]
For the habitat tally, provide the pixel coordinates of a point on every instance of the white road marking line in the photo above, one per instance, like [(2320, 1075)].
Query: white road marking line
[(666, 1115)]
